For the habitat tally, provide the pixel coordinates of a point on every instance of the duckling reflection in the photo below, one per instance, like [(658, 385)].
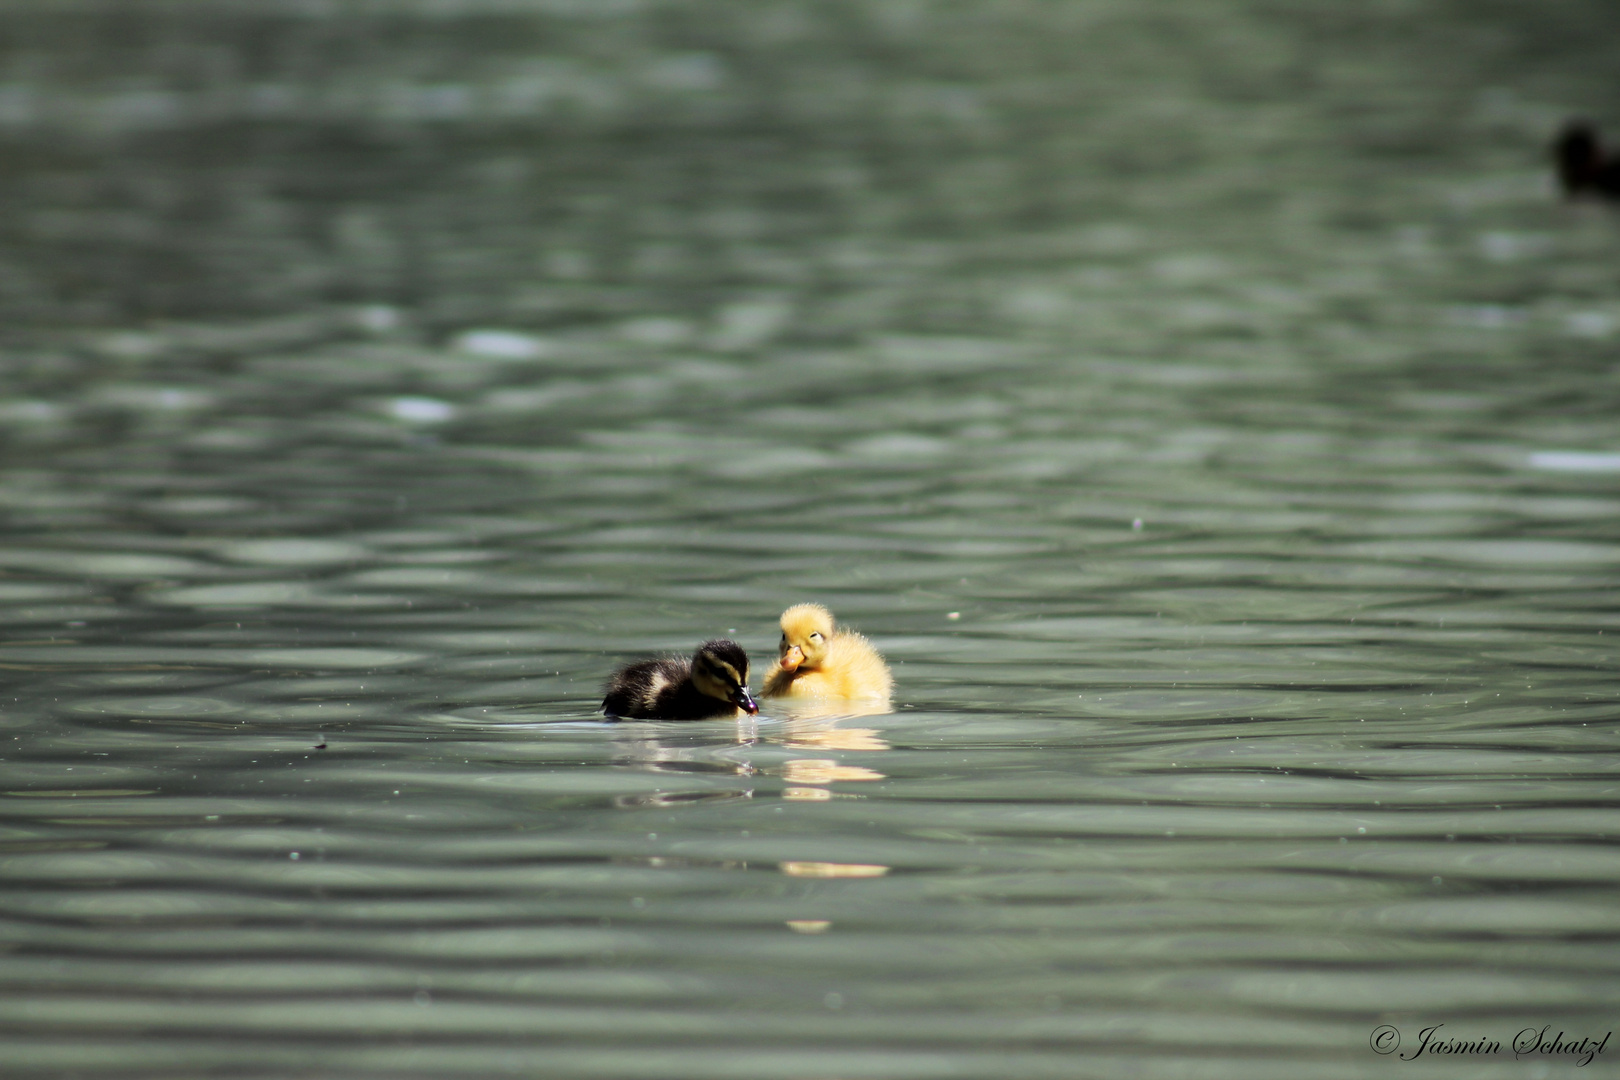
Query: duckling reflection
[(825, 771), (714, 683), (710, 761), (811, 779), (833, 870), (811, 733), (709, 765), (829, 669)]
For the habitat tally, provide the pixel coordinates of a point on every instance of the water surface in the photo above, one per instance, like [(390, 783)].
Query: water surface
[(1210, 415)]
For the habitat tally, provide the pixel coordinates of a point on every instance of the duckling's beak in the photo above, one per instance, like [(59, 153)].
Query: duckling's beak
[(792, 659), (744, 701)]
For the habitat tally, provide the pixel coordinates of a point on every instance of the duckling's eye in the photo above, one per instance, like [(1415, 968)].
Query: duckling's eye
[(815, 637)]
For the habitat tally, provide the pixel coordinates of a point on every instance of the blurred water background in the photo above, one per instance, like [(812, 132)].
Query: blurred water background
[(1210, 409)]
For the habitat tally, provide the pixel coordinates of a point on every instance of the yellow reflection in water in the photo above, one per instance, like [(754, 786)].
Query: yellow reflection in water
[(835, 738), (809, 926), (832, 869), (806, 794), (825, 771)]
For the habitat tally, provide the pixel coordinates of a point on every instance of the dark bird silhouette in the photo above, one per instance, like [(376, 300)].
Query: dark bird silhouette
[(1582, 165), (713, 683)]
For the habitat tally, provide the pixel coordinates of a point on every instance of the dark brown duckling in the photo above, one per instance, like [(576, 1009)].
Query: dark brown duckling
[(1582, 165), (713, 683)]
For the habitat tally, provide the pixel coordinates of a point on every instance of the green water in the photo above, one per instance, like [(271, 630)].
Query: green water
[(1211, 413)]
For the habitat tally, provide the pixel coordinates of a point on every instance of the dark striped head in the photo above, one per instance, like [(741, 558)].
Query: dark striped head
[(720, 670)]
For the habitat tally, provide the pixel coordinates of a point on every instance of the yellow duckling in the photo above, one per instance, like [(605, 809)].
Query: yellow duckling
[(713, 683), (818, 661)]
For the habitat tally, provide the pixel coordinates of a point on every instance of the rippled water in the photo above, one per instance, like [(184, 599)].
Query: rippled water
[(1211, 414)]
